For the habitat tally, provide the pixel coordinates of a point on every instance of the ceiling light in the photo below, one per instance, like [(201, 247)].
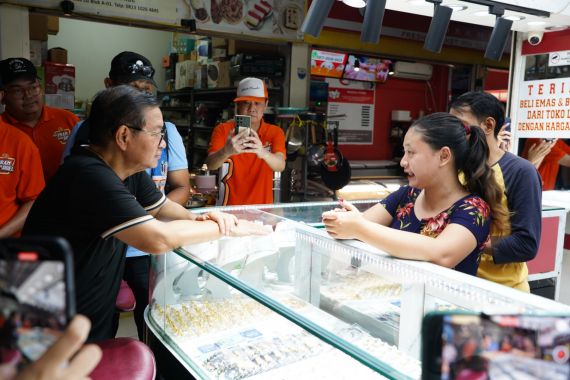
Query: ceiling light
[(417, 3), (514, 18), (372, 24), (316, 16), (456, 7), (481, 14), (438, 27), (355, 3), (536, 23)]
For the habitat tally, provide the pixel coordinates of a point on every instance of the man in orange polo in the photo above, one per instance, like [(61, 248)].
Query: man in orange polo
[(21, 179), (253, 155), (48, 127)]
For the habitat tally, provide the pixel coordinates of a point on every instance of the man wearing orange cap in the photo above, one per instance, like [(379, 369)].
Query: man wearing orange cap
[(253, 155)]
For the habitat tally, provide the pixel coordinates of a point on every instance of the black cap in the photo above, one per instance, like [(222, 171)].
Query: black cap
[(16, 68), (128, 67)]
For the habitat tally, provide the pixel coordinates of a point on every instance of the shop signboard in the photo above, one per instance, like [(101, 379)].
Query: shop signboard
[(354, 100), (279, 19), (158, 11), (543, 102)]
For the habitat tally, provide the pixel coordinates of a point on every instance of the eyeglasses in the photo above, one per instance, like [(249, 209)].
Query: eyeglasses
[(161, 133), (20, 92), (139, 68)]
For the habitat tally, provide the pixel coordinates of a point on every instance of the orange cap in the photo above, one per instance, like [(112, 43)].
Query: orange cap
[(251, 89)]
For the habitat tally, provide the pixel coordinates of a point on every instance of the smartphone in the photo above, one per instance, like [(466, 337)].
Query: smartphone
[(242, 122), (507, 124), (459, 345), (37, 298)]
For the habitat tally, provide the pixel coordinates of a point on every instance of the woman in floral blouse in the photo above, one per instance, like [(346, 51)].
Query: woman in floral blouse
[(435, 218)]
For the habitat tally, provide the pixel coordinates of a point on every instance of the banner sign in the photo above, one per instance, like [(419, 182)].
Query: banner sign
[(354, 100), (160, 11), (279, 19)]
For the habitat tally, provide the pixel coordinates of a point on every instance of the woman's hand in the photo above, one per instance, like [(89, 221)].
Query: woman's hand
[(537, 152), (343, 223)]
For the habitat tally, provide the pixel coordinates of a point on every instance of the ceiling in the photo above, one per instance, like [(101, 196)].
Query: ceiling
[(479, 14)]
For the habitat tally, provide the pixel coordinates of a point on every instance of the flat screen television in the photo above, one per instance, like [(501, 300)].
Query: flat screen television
[(327, 63), (368, 69)]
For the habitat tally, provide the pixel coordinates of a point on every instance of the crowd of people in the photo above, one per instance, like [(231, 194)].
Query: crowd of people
[(115, 185)]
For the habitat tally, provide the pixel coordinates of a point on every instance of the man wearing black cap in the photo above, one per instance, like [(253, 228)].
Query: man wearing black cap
[(21, 179), (49, 128), (170, 174)]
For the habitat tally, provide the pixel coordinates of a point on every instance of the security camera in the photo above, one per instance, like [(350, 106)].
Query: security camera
[(534, 38)]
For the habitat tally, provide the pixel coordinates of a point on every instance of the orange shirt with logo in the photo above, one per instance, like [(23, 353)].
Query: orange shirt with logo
[(21, 178), (249, 179), (49, 134)]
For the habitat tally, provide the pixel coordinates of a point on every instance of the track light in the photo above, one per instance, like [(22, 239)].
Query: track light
[(316, 17), (372, 24), (437, 27), (499, 36)]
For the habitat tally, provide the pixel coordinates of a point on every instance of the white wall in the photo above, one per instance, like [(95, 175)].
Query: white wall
[(91, 46)]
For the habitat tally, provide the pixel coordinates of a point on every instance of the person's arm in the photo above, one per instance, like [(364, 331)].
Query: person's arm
[(179, 186), (223, 145), (524, 197), (158, 237), (452, 245), (177, 178), (17, 222), (275, 160), (68, 358)]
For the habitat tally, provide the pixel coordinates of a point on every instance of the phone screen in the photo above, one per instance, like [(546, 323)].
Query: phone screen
[(504, 347), (242, 122), (35, 296)]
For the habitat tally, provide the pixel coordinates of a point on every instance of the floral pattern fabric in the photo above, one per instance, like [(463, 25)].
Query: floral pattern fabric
[(471, 211)]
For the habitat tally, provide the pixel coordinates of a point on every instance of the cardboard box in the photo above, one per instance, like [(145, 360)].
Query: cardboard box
[(38, 52), (218, 42), (38, 27), (59, 85), (185, 74), (57, 55), (219, 74), (52, 25)]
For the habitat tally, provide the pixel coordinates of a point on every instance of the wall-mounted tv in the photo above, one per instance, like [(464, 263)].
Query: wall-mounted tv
[(368, 69), (327, 63)]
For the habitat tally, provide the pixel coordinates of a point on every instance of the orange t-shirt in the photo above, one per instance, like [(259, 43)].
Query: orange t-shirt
[(21, 177), (50, 135), (549, 167), (249, 179)]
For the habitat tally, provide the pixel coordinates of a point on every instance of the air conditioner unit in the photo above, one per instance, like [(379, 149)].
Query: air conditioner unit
[(408, 70)]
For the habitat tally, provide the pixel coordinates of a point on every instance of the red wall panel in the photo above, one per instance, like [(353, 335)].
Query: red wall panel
[(400, 94)]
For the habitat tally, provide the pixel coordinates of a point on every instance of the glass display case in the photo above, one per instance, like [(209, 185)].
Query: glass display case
[(298, 304)]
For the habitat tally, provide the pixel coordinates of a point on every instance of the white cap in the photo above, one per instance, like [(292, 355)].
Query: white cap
[(251, 89)]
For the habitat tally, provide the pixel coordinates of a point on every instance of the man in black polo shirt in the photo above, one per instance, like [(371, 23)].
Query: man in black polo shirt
[(101, 199)]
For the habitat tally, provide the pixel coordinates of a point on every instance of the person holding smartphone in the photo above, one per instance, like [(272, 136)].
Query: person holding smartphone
[(508, 250), (101, 200), (435, 218), (547, 155), (253, 154)]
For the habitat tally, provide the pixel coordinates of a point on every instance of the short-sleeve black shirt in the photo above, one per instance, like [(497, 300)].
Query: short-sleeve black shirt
[(87, 203)]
